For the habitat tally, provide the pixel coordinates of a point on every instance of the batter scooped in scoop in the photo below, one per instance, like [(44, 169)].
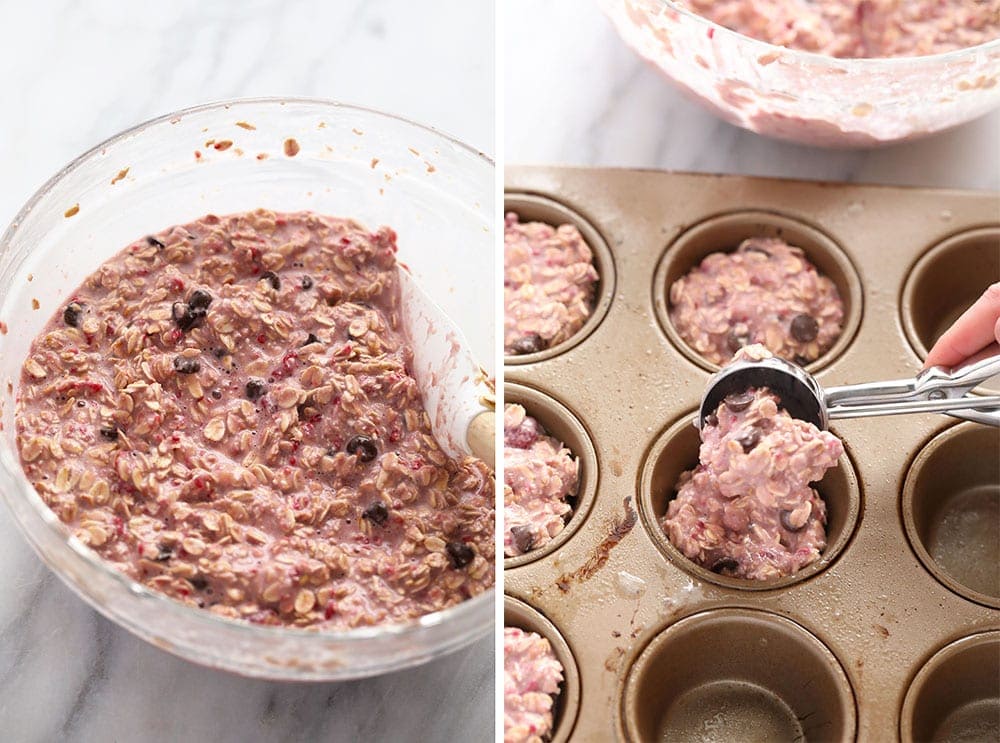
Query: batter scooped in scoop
[(748, 510)]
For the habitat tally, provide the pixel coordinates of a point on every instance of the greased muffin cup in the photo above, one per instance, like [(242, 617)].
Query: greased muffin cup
[(742, 675), (951, 510), (566, 704), (944, 281), (956, 694), (284, 155), (663, 646), (536, 208)]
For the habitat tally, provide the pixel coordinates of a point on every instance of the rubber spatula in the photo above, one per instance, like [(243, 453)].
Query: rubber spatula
[(455, 389)]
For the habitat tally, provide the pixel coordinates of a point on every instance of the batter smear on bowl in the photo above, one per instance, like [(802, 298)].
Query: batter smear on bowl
[(224, 412), (540, 473), (765, 292), (747, 510), (548, 289), (531, 678), (859, 28)]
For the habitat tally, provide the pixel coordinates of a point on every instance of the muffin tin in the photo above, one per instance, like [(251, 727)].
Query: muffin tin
[(891, 635)]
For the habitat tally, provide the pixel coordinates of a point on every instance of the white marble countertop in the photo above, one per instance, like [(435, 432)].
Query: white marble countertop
[(73, 74), (575, 94)]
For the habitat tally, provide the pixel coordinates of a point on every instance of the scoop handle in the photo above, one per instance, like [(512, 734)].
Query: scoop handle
[(482, 437), (933, 390)]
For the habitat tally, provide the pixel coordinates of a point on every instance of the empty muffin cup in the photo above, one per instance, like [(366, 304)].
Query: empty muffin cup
[(944, 282), (567, 703), (951, 510), (534, 208), (737, 674), (559, 422), (724, 233), (955, 696), (676, 451)]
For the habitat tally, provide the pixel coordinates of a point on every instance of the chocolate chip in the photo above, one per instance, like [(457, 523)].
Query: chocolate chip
[(724, 563), (749, 439), (363, 446), (307, 282), (155, 243), (804, 328), (255, 389), (200, 299), (377, 513), (711, 419), (109, 432), (738, 401), (310, 339), (187, 317), (461, 554), (220, 353), (783, 517), (530, 343), (272, 278), (524, 540), (199, 584), (735, 341), (185, 365), (71, 315), (164, 554)]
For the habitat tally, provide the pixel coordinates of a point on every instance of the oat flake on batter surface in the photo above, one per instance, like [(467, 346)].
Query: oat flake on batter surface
[(224, 412)]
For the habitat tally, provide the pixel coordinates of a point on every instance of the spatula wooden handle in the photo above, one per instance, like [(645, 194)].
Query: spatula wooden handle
[(482, 437)]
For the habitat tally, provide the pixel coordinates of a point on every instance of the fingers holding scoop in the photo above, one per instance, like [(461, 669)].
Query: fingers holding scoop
[(975, 330)]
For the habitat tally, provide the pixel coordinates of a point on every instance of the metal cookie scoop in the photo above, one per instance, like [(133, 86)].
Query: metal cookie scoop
[(934, 390)]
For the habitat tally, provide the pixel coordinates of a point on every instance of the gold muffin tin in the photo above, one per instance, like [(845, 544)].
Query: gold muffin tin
[(895, 632)]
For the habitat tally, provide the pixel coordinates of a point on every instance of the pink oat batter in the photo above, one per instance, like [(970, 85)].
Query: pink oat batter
[(747, 509), (859, 28), (549, 280), (765, 292), (540, 473), (531, 678), (224, 411)]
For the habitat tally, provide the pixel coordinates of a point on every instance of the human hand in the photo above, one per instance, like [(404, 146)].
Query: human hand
[(977, 330)]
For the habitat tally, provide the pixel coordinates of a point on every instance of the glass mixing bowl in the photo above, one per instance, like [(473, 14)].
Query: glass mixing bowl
[(806, 97), (435, 192)]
